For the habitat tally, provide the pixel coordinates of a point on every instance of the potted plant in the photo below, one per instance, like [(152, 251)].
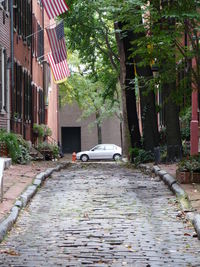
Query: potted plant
[(49, 151), (47, 130), (189, 170)]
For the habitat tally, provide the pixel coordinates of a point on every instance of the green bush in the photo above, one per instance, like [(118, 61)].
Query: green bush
[(185, 119), (49, 150), (38, 129), (17, 147), (191, 164), (142, 156)]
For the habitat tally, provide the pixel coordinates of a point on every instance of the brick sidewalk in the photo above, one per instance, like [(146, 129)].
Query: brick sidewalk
[(192, 190), (18, 177)]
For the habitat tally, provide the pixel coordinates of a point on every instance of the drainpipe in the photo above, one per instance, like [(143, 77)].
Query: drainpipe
[(194, 138), (12, 57)]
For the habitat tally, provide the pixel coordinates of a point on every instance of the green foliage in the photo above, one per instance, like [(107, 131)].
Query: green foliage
[(141, 156), (50, 151), (90, 95), (185, 119), (191, 164), (38, 129), (41, 130), (18, 148)]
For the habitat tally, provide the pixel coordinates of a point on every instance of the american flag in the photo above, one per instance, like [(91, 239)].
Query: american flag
[(57, 42), (55, 8), (60, 71)]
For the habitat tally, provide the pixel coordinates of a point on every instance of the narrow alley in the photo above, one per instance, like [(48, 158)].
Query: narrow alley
[(101, 215)]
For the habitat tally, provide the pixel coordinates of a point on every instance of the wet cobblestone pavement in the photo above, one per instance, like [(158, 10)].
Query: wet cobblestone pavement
[(101, 215)]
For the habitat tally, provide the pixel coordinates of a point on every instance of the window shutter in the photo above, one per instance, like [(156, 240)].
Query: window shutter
[(0, 78), (20, 91), (15, 87), (5, 80)]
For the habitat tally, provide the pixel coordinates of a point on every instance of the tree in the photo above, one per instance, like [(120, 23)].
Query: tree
[(89, 95)]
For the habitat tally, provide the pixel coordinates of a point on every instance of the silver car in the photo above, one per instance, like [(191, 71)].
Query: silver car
[(102, 151)]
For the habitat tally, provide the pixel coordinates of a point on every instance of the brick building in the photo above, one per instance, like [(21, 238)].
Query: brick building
[(51, 90), (4, 64), (33, 94), (21, 106), (38, 108)]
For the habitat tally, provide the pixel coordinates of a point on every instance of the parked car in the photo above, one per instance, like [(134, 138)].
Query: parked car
[(102, 151)]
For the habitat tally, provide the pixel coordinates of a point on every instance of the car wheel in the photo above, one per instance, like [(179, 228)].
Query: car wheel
[(84, 158), (117, 157)]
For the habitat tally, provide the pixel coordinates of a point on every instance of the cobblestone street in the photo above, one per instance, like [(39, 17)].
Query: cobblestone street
[(101, 215)]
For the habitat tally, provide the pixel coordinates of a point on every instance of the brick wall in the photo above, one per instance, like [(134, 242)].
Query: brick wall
[(52, 94), (4, 42)]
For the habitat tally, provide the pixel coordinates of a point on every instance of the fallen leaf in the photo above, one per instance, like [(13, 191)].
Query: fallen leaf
[(186, 234)]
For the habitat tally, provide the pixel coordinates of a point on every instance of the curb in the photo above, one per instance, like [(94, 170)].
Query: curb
[(25, 197), (181, 195)]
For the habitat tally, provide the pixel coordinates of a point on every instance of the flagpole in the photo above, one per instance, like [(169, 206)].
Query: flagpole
[(43, 56), (41, 29)]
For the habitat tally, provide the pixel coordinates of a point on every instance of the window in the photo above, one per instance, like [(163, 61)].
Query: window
[(99, 147), (40, 42), (27, 95), (110, 147), (18, 90), (41, 110), (23, 19), (37, 40), (3, 79)]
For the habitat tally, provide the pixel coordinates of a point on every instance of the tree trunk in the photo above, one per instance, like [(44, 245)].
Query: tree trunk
[(148, 111), (126, 143), (128, 90), (99, 132), (173, 135)]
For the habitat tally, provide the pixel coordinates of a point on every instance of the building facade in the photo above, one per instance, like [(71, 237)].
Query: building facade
[(21, 114), (51, 90), (4, 64), (77, 134), (31, 96)]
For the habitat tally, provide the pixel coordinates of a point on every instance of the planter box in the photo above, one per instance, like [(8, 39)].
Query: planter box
[(183, 177), (187, 177)]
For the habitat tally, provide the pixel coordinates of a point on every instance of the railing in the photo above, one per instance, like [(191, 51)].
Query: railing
[(52, 141), (1, 178)]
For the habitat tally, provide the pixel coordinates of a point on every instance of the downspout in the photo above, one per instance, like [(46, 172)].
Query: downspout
[(12, 59)]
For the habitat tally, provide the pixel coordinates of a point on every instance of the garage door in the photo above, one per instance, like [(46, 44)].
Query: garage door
[(71, 139)]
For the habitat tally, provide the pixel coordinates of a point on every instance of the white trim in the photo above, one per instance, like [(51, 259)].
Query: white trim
[(2, 80), (8, 100)]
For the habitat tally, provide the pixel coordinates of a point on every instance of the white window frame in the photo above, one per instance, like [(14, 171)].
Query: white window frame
[(3, 80)]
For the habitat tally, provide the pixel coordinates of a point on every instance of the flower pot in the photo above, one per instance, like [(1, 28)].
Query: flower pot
[(195, 177), (183, 177)]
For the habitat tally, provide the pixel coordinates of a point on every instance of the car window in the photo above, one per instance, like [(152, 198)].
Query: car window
[(109, 147), (100, 147)]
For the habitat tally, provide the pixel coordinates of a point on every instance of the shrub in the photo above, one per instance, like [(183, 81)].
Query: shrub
[(191, 164), (185, 119), (17, 147), (38, 129), (48, 150), (142, 156)]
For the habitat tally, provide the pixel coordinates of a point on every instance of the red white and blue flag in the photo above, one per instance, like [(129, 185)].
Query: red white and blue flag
[(55, 8), (57, 42), (60, 71)]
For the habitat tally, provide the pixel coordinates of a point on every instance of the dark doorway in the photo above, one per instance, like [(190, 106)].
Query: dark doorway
[(71, 139)]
